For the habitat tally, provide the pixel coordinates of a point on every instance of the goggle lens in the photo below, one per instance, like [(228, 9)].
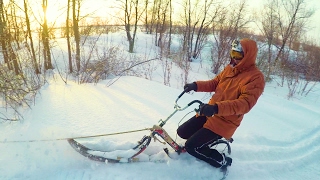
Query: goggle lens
[(236, 55)]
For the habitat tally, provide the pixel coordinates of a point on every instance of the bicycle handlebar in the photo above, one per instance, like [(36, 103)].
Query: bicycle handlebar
[(192, 102), (184, 91), (178, 108)]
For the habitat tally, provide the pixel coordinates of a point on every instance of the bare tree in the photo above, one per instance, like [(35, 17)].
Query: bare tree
[(311, 66), (46, 38), (4, 36), (292, 19), (29, 33), (146, 19), (133, 12), (227, 28), (283, 23), (170, 26), (75, 20), (150, 18), (68, 37), (161, 20), (269, 30), (197, 18), (205, 20), (294, 12), (186, 42), (19, 81)]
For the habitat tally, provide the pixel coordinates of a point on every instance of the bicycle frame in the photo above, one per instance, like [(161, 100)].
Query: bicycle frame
[(159, 131)]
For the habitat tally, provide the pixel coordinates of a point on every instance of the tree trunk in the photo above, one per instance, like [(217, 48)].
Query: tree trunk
[(128, 12), (3, 36), (68, 38), (33, 54), (76, 33), (170, 28), (45, 38)]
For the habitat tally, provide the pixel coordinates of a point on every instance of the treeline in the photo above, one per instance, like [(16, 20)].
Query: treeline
[(27, 41)]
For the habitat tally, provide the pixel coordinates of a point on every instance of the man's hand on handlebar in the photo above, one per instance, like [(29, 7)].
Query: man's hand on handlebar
[(191, 86), (208, 110)]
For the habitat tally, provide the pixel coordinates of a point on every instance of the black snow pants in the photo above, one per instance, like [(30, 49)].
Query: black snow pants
[(198, 139)]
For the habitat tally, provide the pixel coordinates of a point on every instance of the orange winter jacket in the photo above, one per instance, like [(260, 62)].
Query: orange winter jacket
[(236, 90)]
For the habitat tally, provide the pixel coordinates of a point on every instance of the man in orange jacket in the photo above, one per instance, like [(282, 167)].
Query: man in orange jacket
[(236, 90)]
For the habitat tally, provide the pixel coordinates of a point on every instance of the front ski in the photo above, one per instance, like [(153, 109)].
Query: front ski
[(85, 151), (104, 156), (100, 156)]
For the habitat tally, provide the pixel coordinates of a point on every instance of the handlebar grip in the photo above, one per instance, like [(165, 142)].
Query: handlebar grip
[(195, 101), (184, 91)]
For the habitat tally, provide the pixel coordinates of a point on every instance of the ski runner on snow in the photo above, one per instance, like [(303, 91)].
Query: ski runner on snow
[(236, 90)]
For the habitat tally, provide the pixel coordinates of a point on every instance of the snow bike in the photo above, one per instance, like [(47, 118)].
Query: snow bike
[(156, 131)]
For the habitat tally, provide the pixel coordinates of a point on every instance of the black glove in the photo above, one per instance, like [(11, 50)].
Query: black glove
[(191, 86), (208, 110)]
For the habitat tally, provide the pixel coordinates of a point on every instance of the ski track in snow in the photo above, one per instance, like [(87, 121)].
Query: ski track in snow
[(281, 157)]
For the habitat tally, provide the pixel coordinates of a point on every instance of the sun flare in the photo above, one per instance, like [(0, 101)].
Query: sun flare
[(54, 16)]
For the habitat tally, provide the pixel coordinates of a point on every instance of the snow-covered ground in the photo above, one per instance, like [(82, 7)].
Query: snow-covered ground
[(278, 138)]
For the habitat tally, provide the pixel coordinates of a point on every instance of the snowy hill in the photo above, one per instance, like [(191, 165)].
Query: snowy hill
[(278, 139)]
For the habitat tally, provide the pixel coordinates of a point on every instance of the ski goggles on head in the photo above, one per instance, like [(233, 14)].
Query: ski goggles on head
[(236, 46), (236, 55), (236, 50)]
